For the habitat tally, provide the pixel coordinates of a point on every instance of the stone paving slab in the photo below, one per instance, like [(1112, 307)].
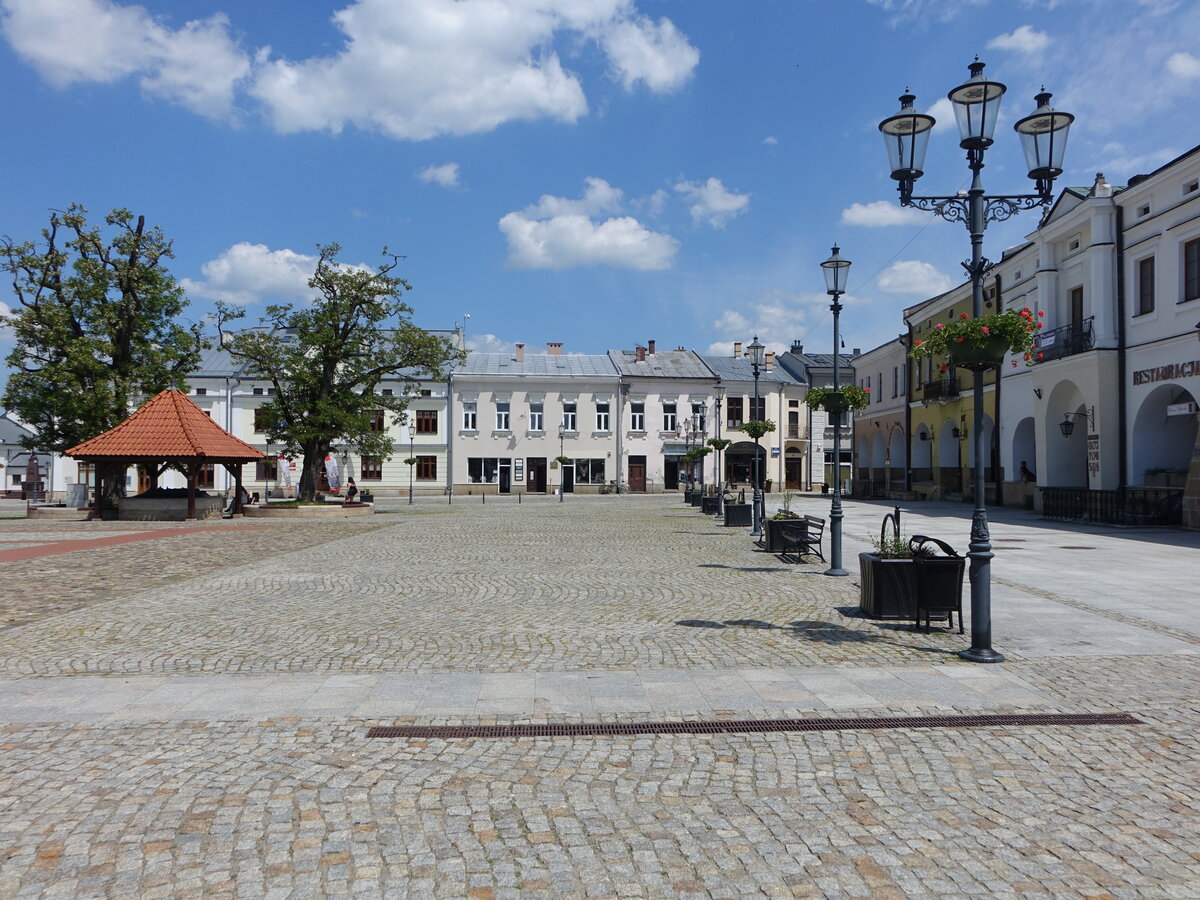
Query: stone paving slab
[(111, 699)]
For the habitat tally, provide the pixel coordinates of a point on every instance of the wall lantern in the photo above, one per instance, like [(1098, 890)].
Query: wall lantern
[(1067, 427)]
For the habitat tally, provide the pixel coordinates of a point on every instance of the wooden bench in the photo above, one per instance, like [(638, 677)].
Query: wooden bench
[(803, 537)]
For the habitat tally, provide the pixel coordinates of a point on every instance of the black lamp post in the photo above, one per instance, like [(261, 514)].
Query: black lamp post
[(562, 468), (1043, 136), (718, 472), (758, 354), (412, 433), (700, 427), (836, 270)]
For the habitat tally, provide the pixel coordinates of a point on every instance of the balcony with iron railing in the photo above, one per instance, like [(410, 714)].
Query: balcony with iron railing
[(940, 389), (1065, 341)]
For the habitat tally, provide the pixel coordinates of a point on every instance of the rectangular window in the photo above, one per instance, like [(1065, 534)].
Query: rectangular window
[(699, 419), (758, 409), (602, 415), (637, 415), (375, 420), (426, 468), (1191, 270), (87, 474), (427, 421), (895, 381), (502, 415), (733, 412), (1077, 307), (1145, 291), (568, 421), (589, 471), (669, 415), (266, 470), (262, 420), (537, 414), (207, 476), (470, 422), (258, 391), (200, 392), (388, 392), (485, 470), (370, 468), (879, 388)]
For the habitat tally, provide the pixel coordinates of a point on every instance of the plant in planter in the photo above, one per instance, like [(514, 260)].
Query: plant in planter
[(562, 460), (756, 428), (981, 341), (411, 461), (850, 396), (785, 510)]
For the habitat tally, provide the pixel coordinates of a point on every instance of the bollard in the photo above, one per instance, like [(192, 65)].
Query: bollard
[(483, 499), (518, 499)]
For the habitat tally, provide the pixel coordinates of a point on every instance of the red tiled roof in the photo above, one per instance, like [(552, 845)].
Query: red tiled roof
[(169, 426)]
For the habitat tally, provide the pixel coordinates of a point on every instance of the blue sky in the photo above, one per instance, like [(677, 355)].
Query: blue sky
[(596, 172)]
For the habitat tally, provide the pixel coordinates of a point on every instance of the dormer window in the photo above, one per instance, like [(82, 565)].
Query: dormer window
[(200, 392), (1191, 187), (1073, 245), (1143, 210)]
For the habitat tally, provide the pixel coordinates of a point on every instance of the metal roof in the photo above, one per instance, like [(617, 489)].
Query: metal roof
[(538, 364), (661, 364), (739, 368)]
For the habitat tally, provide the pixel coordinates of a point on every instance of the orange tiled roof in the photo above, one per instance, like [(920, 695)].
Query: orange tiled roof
[(169, 426)]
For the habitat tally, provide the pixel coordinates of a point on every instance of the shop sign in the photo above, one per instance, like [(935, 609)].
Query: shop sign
[(1167, 373), (1093, 455), (1181, 409)]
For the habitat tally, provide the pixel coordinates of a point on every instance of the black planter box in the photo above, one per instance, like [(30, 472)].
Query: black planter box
[(772, 539), (738, 514), (708, 505), (696, 498), (888, 587)]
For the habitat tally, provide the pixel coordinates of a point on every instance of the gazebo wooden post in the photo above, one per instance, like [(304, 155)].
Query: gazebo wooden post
[(193, 470), (98, 471)]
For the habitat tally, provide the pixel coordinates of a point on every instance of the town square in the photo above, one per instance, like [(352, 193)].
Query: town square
[(498, 449)]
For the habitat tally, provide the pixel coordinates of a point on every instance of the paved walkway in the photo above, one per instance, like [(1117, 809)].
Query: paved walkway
[(203, 732)]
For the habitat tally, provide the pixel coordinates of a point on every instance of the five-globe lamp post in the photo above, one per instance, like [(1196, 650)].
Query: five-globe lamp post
[(1043, 135), (837, 270), (758, 355), (562, 469)]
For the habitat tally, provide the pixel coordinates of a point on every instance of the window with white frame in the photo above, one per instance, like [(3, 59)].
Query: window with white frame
[(669, 408), (699, 419), (1145, 286), (1191, 270), (502, 410), (470, 416), (602, 415), (637, 415), (569, 421), (537, 415)]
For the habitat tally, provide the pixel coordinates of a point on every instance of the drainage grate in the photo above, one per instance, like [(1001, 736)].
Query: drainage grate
[(744, 726)]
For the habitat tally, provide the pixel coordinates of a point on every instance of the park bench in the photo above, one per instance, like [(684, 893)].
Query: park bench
[(802, 537)]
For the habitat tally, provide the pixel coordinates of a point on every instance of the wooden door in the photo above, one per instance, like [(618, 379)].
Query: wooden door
[(637, 474)]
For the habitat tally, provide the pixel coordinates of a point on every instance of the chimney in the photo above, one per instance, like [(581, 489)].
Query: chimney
[(855, 352), (797, 347), (554, 348), (520, 356), (770, 359), (639, 353), (737, 349), (650, 347)]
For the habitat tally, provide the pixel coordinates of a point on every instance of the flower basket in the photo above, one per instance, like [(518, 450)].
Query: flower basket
[(983, 355), (979, 342), (846, 398), (835, 402)]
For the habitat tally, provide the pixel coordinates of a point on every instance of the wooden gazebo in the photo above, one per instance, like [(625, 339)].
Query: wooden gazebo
[(169, 431)]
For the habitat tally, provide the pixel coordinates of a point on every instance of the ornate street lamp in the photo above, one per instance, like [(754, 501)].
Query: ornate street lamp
[(837, 271), (412, 433), (562, 469), (700, 427), (1043, 136), (1067, 426), (758, 355)]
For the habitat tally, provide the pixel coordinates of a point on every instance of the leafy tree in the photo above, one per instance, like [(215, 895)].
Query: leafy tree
[(326, 358), (95, 326)]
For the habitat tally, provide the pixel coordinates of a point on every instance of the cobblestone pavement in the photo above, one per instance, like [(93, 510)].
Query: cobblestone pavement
[(245, 801)]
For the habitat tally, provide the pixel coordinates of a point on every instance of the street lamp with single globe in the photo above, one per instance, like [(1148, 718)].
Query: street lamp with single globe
[(412, 433), (758, 355), (836, 270), (1043, 136), (562, 469)]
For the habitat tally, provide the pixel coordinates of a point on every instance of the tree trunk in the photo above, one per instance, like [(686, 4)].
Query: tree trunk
[(314, 458)]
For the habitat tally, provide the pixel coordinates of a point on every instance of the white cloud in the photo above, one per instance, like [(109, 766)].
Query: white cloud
[(560, 233), (69, 41), (5, 329), (488, 343), (246, 273), (879, 213), (446, 175), (775, 317), (923, 12), (1021, 40), (414, 69), (769, 139), (912, 276), (1118, 162), (943, 115), (1184, 65), (656, 54), (712, 203)]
